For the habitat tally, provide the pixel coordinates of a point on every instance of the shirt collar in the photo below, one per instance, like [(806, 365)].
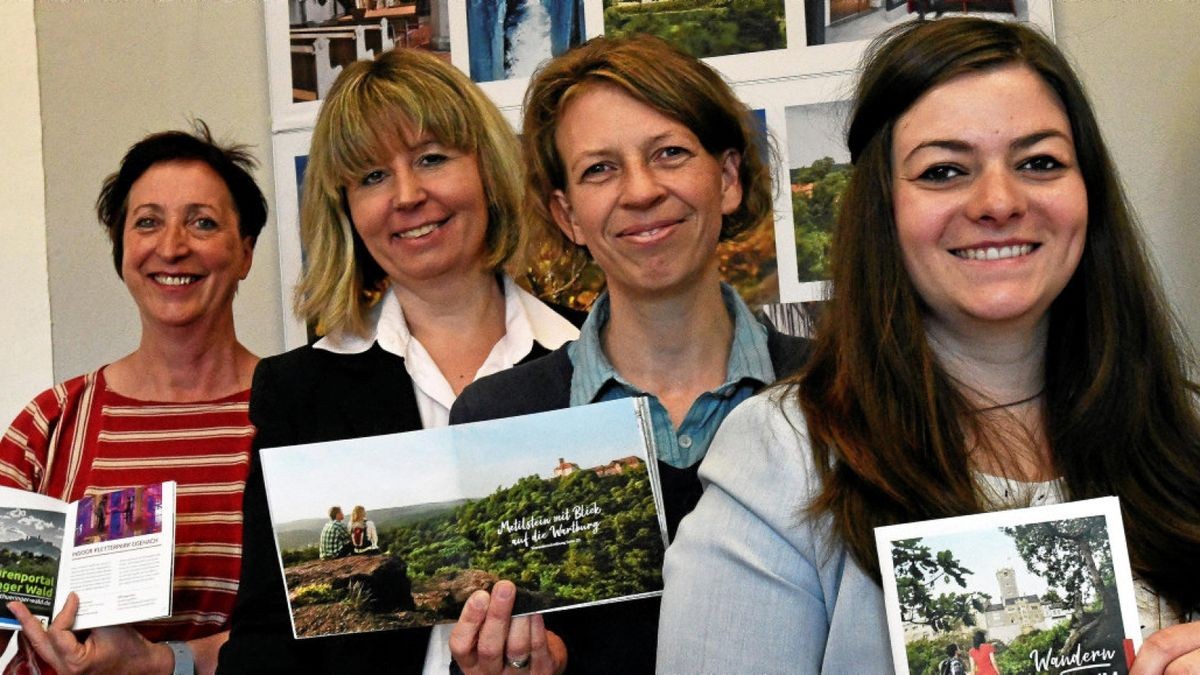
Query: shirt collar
[(526, 320), (592, 369), (527, 315), (748, 355), (384, 324)]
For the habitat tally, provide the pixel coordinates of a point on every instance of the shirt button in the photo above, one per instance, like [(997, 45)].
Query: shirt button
[(685, 441)]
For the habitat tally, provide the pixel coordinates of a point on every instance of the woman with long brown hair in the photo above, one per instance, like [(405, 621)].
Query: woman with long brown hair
[(996, 338)]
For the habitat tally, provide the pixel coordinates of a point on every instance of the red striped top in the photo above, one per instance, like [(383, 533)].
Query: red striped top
[(80, 437)]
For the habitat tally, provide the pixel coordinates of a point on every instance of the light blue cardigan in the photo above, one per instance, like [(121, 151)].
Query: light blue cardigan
[(752, 584)]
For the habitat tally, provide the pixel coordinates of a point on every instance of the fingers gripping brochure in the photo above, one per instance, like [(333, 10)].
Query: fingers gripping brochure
[(114, 549), (397, 531)]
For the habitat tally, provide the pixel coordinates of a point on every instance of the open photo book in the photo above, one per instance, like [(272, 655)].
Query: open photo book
[(1046, 589), (397, 531), (114, 549)]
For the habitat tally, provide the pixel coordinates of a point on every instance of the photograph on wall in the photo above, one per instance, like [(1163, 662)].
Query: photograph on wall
[(290, 158), (309, 42), (818, 171), (743, 39), (1037, 590), (748, 262), (835, 33), (511, 38), (325, 35), (832, 21), (397, 531), (702, 28), (803, 118)]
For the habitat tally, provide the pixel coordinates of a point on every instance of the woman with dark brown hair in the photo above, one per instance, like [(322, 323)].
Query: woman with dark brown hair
[(182, 213), (994, 317)]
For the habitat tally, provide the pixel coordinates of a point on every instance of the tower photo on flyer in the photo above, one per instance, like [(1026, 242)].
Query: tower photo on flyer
[(1045, 589), (397, 531)]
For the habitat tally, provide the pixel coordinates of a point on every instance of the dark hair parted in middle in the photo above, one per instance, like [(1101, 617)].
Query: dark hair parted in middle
[(668, 80), (887, 418), (232, 163)]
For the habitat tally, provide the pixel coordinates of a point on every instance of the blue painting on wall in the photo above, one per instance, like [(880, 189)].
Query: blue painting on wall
[(511, 38)]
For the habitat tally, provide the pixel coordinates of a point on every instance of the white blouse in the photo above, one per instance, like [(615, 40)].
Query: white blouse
[(527, 320)]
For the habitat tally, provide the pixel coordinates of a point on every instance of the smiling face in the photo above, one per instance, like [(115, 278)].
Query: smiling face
[(183, 252), (641, 193), (422, 213), (990, 205)]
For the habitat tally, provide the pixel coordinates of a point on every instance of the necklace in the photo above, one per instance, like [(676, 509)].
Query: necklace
[(1012, 404)]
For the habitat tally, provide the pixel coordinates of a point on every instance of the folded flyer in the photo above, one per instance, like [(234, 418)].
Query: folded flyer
[(1046, 589), (564, 504), (114, 549)]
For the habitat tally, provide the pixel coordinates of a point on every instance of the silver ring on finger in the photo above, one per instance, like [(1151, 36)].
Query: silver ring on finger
[(519, 663)]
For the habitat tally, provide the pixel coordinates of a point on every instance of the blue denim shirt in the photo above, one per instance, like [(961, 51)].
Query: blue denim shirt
[(749, 369)]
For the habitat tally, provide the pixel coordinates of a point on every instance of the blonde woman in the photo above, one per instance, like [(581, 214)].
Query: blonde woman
[(364, 538), (409, 209)]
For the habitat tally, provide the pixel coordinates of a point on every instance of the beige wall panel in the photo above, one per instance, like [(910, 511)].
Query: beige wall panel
[(111, 72), (26, 367), (1141, 64)]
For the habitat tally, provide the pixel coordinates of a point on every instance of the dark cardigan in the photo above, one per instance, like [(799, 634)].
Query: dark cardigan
[(620, 637), (304, 396)]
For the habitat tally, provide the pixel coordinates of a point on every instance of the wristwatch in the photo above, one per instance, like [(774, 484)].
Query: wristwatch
[(185, 661)]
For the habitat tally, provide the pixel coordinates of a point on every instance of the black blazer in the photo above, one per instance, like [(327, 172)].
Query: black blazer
[(303, 396), (620, 637)]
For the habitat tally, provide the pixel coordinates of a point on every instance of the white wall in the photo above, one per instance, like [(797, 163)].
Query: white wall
[(1141, 64), (110, 74), (25, 367)]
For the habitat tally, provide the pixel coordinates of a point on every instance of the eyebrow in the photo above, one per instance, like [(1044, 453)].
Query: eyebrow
[(190, 209), (1036, 137), (1022, 143), (606, 150), (196, 208), (423, 142)]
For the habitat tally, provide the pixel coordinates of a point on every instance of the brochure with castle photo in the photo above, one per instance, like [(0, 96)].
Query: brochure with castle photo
[(115, 549), (1039, 590), (564, 504)]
